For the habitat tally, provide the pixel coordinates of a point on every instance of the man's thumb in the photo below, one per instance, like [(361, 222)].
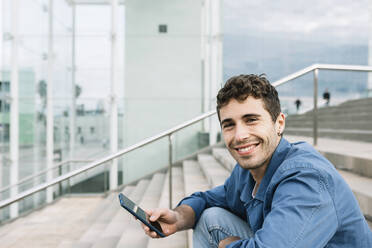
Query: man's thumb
[(154, 216)]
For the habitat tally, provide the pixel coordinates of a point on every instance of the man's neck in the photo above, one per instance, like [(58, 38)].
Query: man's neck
[(259, 173)]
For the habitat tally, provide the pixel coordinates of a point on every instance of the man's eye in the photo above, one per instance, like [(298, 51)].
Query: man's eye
[(228, 125), (251, 120)]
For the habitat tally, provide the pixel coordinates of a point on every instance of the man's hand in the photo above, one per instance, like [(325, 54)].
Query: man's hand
[(223, 243), (167, 219), (171, 221)]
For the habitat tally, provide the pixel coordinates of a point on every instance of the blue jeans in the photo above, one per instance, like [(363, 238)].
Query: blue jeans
[(216, 224)]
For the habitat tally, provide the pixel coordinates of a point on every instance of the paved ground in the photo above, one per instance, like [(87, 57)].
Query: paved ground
[(49, 226)]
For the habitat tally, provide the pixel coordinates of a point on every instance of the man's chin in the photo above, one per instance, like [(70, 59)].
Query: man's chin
[(249, 166)]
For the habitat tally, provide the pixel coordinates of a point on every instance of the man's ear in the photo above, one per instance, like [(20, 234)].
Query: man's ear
[(280, 124)]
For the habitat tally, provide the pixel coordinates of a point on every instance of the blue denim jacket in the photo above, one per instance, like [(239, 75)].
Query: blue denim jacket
[(302, 201)]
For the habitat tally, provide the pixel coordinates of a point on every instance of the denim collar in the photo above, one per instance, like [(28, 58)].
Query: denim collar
[(278, 157)]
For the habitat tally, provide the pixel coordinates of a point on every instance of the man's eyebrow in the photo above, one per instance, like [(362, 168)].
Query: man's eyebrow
[(251, 115), (226, 121)]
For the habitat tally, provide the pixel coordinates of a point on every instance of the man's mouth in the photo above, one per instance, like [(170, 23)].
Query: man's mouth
[(246, 149)]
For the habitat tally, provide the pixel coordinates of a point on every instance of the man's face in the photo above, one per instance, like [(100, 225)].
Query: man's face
[(249, 132)]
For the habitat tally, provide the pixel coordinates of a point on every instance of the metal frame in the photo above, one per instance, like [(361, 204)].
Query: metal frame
[(49, 101), (168, 133), (113, 91), (14, 107)]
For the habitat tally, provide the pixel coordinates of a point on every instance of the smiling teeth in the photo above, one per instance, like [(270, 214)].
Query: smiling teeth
[(245, 149)]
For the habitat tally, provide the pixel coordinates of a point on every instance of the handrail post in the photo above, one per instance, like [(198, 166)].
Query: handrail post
[(170, 137), (315, 110)]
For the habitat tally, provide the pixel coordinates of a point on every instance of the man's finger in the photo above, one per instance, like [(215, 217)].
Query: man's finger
[(146, 228), (154, 235), (154, 216)]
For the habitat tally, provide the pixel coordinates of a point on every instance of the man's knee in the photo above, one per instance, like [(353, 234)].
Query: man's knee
[(210, 228), (211, 215), (216, 218)]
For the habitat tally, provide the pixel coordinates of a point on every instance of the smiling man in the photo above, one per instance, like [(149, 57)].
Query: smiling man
[(278, 195)]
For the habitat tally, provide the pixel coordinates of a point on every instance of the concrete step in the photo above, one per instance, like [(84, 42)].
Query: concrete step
[(73, 244), (359, 114), (215, 173), (102, 207), (177, 240), (194, 182), (52, 224), (339, 134), (361, 101), (346, 107), (106, 203), (112, 233), (224, 157), (133, 235), (92, 234), (104, 217), (341, 110), (350, 124), (193, 177)]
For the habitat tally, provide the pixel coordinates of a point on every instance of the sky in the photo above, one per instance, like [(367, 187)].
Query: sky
[(345, 19)]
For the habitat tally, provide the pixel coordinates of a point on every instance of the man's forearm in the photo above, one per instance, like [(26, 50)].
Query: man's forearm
[(186, 217)]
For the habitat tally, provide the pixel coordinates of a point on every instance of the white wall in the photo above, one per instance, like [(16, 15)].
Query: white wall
[(163, 71)]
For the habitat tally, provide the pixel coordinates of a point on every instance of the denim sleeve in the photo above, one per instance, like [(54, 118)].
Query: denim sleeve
[(302, 214), (199, 201)]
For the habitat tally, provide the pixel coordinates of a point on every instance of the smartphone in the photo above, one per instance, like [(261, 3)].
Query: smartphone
[(140, 214)]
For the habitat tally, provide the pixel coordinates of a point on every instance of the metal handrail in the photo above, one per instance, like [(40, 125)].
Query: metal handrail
[(314, 68), (104, 160), (39, 173)]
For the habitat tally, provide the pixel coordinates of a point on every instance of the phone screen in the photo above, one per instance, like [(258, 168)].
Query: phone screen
[(140, 214)]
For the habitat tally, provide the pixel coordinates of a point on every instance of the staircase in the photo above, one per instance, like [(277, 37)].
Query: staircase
[(99, 221), (351, 120)]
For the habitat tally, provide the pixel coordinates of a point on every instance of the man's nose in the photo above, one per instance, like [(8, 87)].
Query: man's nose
[(241, 133)]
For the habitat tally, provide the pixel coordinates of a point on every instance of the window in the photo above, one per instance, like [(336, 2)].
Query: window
[(79, 130), (91, 130), (162, 28), (6, 107), (5, 86)]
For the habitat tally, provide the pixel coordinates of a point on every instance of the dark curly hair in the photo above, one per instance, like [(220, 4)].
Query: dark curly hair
[(242, 86)]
